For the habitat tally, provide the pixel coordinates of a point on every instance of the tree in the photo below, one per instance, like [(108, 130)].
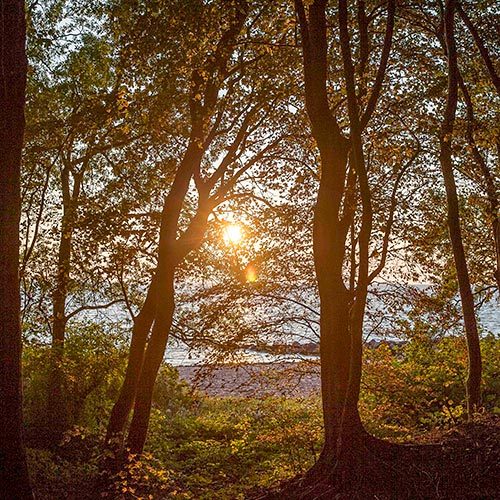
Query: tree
[(445, 158), (14, 479), (226, 138), (343, 171), (470, 183), (81, 120)]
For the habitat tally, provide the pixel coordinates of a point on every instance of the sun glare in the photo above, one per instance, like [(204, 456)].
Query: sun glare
[(250, 274), (233, 234)]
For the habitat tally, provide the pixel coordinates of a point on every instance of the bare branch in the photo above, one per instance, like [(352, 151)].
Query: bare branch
[(480, 45), (93, 308), (372, 102), (390, 220)]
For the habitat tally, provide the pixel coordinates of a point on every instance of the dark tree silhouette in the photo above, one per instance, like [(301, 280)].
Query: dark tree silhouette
[(207, 115), (14, 480), (158, 308), (343, 171), (445, 158)]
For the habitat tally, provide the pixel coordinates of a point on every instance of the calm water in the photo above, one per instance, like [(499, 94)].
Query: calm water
[(178, 354)]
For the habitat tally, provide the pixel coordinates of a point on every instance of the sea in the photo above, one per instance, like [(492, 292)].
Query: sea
[(180, 354)]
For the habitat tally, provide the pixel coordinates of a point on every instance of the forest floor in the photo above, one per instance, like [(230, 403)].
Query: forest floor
[(252, 431), (460, 463), (463, 462)]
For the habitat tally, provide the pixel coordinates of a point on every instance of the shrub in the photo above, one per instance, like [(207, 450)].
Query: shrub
[(421, 385), (93, 366), (172, 395)]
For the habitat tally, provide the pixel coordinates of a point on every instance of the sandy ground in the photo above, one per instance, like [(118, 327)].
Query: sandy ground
[(248, 380)]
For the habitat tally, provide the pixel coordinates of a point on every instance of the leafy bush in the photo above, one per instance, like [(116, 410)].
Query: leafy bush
[(144, 478), (93, 367), (172, 395), (57, 478), (421, 385)]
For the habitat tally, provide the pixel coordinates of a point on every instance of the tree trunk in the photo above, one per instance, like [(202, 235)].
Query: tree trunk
[(152, 361), (125, 401), (171, 254), (445, 157), (339, 351), (57, 411), (342, 310), (147, 316), (14, 480), (145, 361), (467, 299), (487, 177), (481, 46), (340, 411)]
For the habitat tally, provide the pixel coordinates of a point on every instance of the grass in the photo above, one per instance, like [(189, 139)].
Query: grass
[(229, 448)]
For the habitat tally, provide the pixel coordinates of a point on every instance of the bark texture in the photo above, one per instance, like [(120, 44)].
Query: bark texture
[(14, 480)]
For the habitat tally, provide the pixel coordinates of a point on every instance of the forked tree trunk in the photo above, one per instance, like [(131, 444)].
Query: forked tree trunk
[(152, 362), (342, 311), (147, 316), (172, 253), (445, 157), (340, 405), (140, 330), (157, 313), (14, 479), (338, 388)]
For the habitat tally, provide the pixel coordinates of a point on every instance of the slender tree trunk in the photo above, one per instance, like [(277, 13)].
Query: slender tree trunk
[(171, 254), (495, 224), (481, 46), (147, 316), (487, 177), (357, 312), (14, 479), (467, 299), (57, 411)]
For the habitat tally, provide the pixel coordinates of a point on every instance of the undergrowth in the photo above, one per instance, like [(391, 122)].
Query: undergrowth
[(226, 448)]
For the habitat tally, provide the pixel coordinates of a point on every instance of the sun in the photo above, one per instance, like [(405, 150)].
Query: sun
[(233, 234)]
